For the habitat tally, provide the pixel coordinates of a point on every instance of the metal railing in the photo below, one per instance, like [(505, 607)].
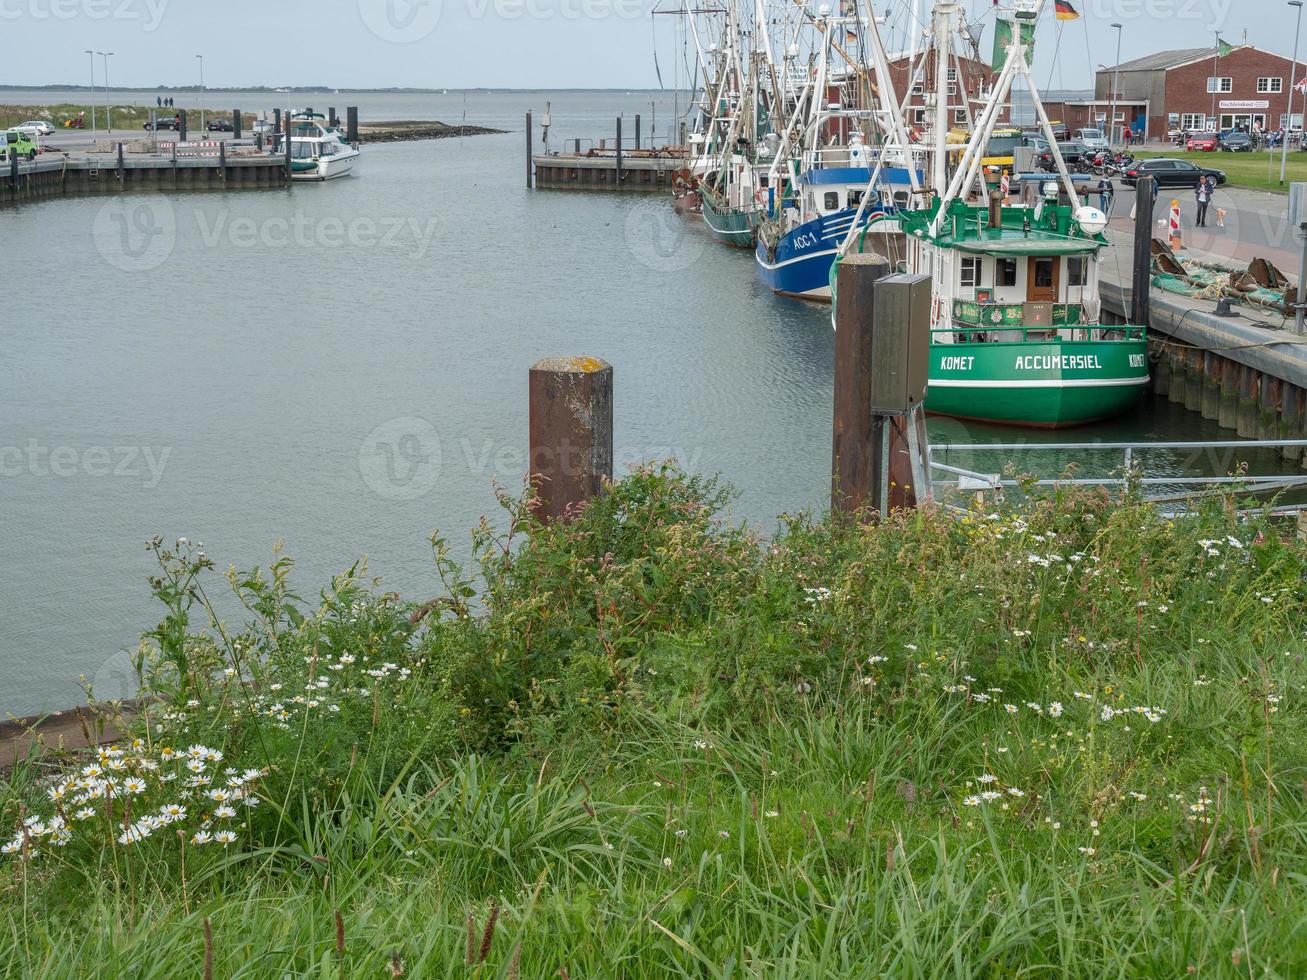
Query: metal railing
[(1221, 455), (979, 334)]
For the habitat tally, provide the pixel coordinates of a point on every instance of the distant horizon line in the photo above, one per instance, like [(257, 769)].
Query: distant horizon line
[(329, 89)]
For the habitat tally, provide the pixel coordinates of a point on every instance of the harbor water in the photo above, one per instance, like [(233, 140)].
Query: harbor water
[(342, 368)]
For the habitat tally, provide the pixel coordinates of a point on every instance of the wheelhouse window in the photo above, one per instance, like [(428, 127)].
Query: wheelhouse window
[(1217, 83), (969, 276), (831, 202), (855, 198), (1005, 272), (1271, 86), (1077, 270)]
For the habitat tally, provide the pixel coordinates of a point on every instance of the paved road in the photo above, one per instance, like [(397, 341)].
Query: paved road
[(1256, 224)]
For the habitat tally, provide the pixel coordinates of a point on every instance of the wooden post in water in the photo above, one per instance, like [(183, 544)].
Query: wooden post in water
[(120, 164), (619, 151), (571, 432), (236, 131), (882, 341), (529, 166), (855, 448), (181, 126), (351, 124), (331, 115), (276, 124), (1142, 266), (637, 130), (222, 159)]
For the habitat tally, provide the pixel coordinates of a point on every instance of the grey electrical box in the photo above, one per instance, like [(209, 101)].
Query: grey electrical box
[(1297, 213), (900, 343)]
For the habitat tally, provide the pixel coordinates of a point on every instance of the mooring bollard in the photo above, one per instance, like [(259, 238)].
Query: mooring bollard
[(181, 126), (235, 124), (529, 166), (571, 432)]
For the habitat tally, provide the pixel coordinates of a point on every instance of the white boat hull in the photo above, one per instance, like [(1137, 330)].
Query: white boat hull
[(337, 165)]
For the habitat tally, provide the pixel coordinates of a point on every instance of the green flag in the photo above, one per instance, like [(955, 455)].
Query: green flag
[(1222, 49), (1003, 38)]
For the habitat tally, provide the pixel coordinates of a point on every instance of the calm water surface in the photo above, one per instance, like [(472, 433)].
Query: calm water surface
[(343, 368)]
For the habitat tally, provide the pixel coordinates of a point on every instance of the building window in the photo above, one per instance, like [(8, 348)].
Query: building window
[(918, 88), (952, 90), (1193, 120), (970, 275), (952, 74), (918, 116), (1077, 270), (960, 116), (1272, 86), (1219, 84), (1296, 123)]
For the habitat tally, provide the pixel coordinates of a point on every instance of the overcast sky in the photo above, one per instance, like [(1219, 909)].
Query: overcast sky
[(506, 43)]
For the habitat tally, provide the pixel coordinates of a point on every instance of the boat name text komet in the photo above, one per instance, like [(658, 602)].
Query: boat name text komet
[(1064, 362)]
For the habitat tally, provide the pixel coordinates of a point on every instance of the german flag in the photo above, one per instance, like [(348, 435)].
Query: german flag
[(1064, 11)]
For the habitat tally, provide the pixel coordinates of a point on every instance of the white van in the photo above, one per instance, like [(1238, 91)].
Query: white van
[(1092, 138)]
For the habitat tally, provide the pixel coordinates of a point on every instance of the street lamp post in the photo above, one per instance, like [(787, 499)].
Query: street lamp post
[(200, 57), (92, 54), (1293, 81), (108, 110), (1116, 83)]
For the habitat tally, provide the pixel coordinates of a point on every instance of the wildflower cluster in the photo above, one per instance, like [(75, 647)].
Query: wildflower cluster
[(125, 796)]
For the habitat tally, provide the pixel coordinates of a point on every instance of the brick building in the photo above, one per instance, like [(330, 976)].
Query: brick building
[(1193, 89), (976, 84)]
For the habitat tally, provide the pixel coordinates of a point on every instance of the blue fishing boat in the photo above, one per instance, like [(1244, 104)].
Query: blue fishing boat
[(795, 251)]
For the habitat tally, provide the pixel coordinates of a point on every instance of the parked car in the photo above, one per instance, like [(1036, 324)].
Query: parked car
[(1237, 142), (261, 126), (1061, 131), (162, 122), (20, 144), (220, 126), (1171, 173), (1092, 138), (35, 127), (1072, 152), (1202, 143)]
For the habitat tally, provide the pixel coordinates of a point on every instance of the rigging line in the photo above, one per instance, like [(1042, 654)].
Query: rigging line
[(1057, 47)]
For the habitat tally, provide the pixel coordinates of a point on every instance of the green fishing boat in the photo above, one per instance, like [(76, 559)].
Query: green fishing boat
[(1016, 320), (729, 225), (1016, 335)]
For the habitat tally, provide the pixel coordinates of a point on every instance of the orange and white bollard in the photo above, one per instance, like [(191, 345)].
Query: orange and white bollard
[(1005, 186), (1176, 243)]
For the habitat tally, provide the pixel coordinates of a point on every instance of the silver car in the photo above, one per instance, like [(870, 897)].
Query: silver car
[(35, 127)]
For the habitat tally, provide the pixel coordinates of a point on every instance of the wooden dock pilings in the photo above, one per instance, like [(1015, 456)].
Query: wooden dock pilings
[(618, 167), (1243, 376), (46, 177)]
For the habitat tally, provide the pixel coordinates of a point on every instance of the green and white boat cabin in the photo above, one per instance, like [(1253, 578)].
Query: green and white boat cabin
[(1016, 329)]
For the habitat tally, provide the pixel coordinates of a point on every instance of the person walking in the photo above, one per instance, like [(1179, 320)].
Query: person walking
[(1106, 192), (1203, 194)]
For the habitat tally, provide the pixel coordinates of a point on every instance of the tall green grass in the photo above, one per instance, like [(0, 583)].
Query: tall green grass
[(658, 746)]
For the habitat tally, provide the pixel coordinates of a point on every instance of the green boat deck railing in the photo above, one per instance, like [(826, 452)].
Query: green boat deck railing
[(1039, 334)]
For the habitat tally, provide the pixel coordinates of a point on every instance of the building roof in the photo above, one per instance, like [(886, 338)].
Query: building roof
[(1166, 59)]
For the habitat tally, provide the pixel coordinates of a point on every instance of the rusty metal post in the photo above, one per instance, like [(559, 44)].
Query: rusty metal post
[(571, 432), (857, 446)]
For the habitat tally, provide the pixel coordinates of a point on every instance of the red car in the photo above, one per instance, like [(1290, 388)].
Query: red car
[(1204, 142)]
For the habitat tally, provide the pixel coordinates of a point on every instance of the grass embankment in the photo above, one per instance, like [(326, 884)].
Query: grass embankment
[(1259, 170), (1069, 742)]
